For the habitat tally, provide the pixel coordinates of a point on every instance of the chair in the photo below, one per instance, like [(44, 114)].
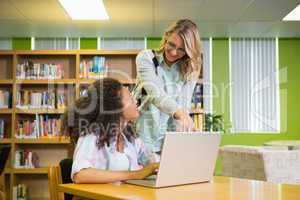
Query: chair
[(58, 175), (4, 153), (66, 168), (54, 178)]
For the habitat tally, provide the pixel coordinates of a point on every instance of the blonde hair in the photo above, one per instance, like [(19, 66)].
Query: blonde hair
[(191, 63)]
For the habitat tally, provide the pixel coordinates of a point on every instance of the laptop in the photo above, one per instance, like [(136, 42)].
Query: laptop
[(187, 157)]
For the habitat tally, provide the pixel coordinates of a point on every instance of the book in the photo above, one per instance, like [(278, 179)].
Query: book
[(42, 126), (94, 68), (39, 71), (5, 99)]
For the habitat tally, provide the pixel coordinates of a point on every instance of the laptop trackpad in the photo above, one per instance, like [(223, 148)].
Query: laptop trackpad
[(152, 177), (149, 181)]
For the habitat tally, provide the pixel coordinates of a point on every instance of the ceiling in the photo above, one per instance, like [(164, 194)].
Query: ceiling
[(139, 18)]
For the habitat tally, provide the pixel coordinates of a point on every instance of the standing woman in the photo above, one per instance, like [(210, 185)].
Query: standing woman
[(166, 79)]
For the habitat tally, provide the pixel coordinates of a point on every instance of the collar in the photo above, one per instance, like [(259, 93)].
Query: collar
[(161, 60)]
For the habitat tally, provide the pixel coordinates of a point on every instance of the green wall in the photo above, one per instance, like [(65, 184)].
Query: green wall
[(289, 65), (88, 43), (25, 43), (153, 42), (289, 52), (220, 63), (288, 60), (21, 43)]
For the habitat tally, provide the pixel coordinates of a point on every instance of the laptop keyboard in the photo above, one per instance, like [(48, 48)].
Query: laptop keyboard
[(152, 177)]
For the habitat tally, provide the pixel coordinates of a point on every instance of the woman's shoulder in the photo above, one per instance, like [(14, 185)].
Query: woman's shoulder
[(145, 54), (87, 139)]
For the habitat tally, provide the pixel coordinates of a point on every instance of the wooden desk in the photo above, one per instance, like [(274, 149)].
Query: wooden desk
[(221, 188)]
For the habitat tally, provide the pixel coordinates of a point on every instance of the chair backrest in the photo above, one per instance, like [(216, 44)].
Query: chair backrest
[(66, 168), (4, 153), (59, 175), (54, 177)]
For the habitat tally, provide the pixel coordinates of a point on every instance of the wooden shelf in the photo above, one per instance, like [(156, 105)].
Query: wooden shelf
[(5, 110), (50, 150), (197, 111), (73, 52), (87, 80), (7, 171), (6, 81), (39, 198), (39, 111), (49, 81), (109, 52), (90, 81), (46, 52), (55, 140), (5, 141), (6, 52), (128, 82), (42, 170)]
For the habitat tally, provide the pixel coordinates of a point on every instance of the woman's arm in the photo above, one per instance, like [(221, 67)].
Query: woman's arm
[(149, 79), (92, 175), (146, 74)]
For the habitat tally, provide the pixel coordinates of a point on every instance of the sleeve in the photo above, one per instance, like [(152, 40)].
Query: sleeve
[(187, 94), (85, 154), (149, 80), (145, 156)]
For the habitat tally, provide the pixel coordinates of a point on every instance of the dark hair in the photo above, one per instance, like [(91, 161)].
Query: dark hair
[(101, 111)]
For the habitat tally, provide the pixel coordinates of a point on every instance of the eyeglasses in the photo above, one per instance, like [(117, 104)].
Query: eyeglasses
[(171, 46)]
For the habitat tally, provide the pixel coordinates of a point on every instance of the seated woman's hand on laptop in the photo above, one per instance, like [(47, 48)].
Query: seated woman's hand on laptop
[(147, 170)]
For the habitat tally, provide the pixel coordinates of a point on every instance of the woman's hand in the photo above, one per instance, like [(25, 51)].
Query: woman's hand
[(184, 120), (146, 171)]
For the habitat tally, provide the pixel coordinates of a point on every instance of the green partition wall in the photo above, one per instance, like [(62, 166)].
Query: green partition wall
[(289, 65), (88, 43), (21, 43)]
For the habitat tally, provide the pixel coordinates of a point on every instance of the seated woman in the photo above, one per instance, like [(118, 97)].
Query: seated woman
[(107, 149)]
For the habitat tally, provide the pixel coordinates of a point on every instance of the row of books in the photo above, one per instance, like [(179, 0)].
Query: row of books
[(93, 68), (197, 99), (41, 126), (5, 99), (27, 99), (25, 158), (2, 128), (19, 192), (198, 122), (30, 70)]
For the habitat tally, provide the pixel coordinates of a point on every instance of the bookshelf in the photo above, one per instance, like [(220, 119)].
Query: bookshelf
[(120, 64), (50, 150)]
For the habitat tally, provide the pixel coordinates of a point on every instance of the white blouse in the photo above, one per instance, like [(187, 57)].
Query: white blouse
[(87, 155)]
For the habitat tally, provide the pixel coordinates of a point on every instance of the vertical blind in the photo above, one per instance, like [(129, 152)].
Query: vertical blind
[(5, 44), (207, 96), (254, 85), (122, 43), (56, 43)]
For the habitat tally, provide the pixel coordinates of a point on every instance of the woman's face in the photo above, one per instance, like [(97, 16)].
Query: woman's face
[(130, 111), (174, 48)]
